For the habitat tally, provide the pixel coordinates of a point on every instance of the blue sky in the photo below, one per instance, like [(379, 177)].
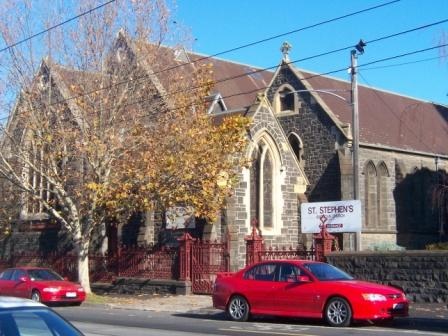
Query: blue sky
[(223, 25)]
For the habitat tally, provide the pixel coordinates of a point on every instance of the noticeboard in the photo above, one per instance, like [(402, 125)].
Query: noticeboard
[(339, 216)]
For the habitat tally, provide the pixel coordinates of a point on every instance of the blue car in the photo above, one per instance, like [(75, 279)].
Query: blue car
[(23, 317)]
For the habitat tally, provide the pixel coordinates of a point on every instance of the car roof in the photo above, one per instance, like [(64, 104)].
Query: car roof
[(26, 268), (8, 302), (293, 261)]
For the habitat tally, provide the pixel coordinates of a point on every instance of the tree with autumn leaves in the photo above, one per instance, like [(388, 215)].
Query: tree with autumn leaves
[(103, 135)]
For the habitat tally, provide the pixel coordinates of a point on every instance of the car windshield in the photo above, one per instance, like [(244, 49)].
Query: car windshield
[(44, 274), (37, 321), (326, 272)]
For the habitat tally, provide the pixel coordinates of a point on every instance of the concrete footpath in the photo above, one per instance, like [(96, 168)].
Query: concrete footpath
[(203, 303)]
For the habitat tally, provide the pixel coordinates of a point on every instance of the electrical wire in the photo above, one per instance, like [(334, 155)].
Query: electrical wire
[(55, 26), (404, 63), (231, 50), (305, 78), (398, 117), (247, 73)]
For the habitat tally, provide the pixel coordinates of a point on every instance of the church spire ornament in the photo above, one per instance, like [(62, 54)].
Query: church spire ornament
[(285, 48)]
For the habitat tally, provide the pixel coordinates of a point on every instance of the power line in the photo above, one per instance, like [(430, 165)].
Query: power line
[(298, 30), (397, 117), (305, 78), (262, 69), (403, 55), (55, 26), (332, 52), (246, 73), (229, 50), (404, 63)]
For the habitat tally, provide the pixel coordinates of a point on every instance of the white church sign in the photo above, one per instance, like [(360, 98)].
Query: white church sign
[(340, 216)]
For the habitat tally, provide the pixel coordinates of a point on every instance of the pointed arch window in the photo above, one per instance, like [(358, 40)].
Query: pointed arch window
[(382, 195), (297, 146), (371, 202), (265, 185), (286, 100), (267, 189)]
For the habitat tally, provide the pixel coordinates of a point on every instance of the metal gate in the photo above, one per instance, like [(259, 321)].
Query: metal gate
[(207, 259)]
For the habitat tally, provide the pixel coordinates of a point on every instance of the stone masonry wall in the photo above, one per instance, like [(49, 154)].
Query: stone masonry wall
[(423, 275), (416, 224), (237, 212), (319, 136)]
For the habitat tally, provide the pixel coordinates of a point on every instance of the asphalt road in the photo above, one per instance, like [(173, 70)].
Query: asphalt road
[(102, 321)]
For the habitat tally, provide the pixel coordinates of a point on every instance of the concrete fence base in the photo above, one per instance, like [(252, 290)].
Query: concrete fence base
[(142, 286)]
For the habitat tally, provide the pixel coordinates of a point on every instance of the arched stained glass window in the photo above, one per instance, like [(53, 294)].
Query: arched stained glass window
[(371, 202), (382, 194), (264, 184), (267, 190)]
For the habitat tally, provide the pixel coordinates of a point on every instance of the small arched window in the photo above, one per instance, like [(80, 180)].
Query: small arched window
[(297, 146), (286, 100), (382, 195), (371, 203)]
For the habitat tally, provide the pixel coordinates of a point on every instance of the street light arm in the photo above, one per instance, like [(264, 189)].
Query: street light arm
[(330, 92)]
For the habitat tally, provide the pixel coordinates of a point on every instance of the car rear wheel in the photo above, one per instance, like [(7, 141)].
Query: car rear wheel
[(35, 296), (238, 309), (338, 312)]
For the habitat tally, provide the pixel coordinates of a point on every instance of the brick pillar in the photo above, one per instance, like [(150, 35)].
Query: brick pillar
[(323, 242), (254, 245), (185, 256)]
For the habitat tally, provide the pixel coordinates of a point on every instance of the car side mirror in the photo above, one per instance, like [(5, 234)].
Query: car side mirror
[(303, 278), (23, 279)]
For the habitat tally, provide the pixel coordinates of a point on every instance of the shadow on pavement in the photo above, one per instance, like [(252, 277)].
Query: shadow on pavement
[(420, 324), (408, 323)]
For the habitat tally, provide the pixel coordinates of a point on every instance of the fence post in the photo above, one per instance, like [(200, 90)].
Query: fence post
[(323, 243), (185, 256), (227, 252), (254, 245), (117, 256)]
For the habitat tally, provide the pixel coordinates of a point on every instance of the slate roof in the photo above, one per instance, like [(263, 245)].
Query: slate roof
[(389, 119), (386, 119), (244, 81)]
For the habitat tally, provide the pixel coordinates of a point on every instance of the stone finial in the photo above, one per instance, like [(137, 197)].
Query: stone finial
[(286, 47), (260, 96)]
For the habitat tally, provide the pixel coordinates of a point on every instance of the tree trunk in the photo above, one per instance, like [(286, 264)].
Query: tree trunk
[(83, 266)]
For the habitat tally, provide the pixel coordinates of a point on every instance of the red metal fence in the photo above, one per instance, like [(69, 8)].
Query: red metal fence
[(148, 263), (200, 261), (194, 260), (256, 250)]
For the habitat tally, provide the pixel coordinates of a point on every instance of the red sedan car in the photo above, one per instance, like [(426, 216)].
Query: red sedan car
[(302, 288), (40, 284)]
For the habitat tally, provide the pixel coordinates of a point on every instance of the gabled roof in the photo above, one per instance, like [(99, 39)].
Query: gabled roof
[(388, 119), (243, 84)]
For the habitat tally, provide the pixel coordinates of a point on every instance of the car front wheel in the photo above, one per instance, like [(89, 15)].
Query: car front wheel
[(338, 312), (238, 309)]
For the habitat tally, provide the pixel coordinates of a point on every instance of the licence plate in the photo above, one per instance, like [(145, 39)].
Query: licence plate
[(70, 294)]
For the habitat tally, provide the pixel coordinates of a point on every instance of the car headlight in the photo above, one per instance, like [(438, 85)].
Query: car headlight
[(374, 297), (51, 289)]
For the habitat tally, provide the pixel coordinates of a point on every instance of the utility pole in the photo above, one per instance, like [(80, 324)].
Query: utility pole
[(359, 49)]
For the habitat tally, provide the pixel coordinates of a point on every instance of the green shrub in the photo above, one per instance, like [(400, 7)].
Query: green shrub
[(437, 246)]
